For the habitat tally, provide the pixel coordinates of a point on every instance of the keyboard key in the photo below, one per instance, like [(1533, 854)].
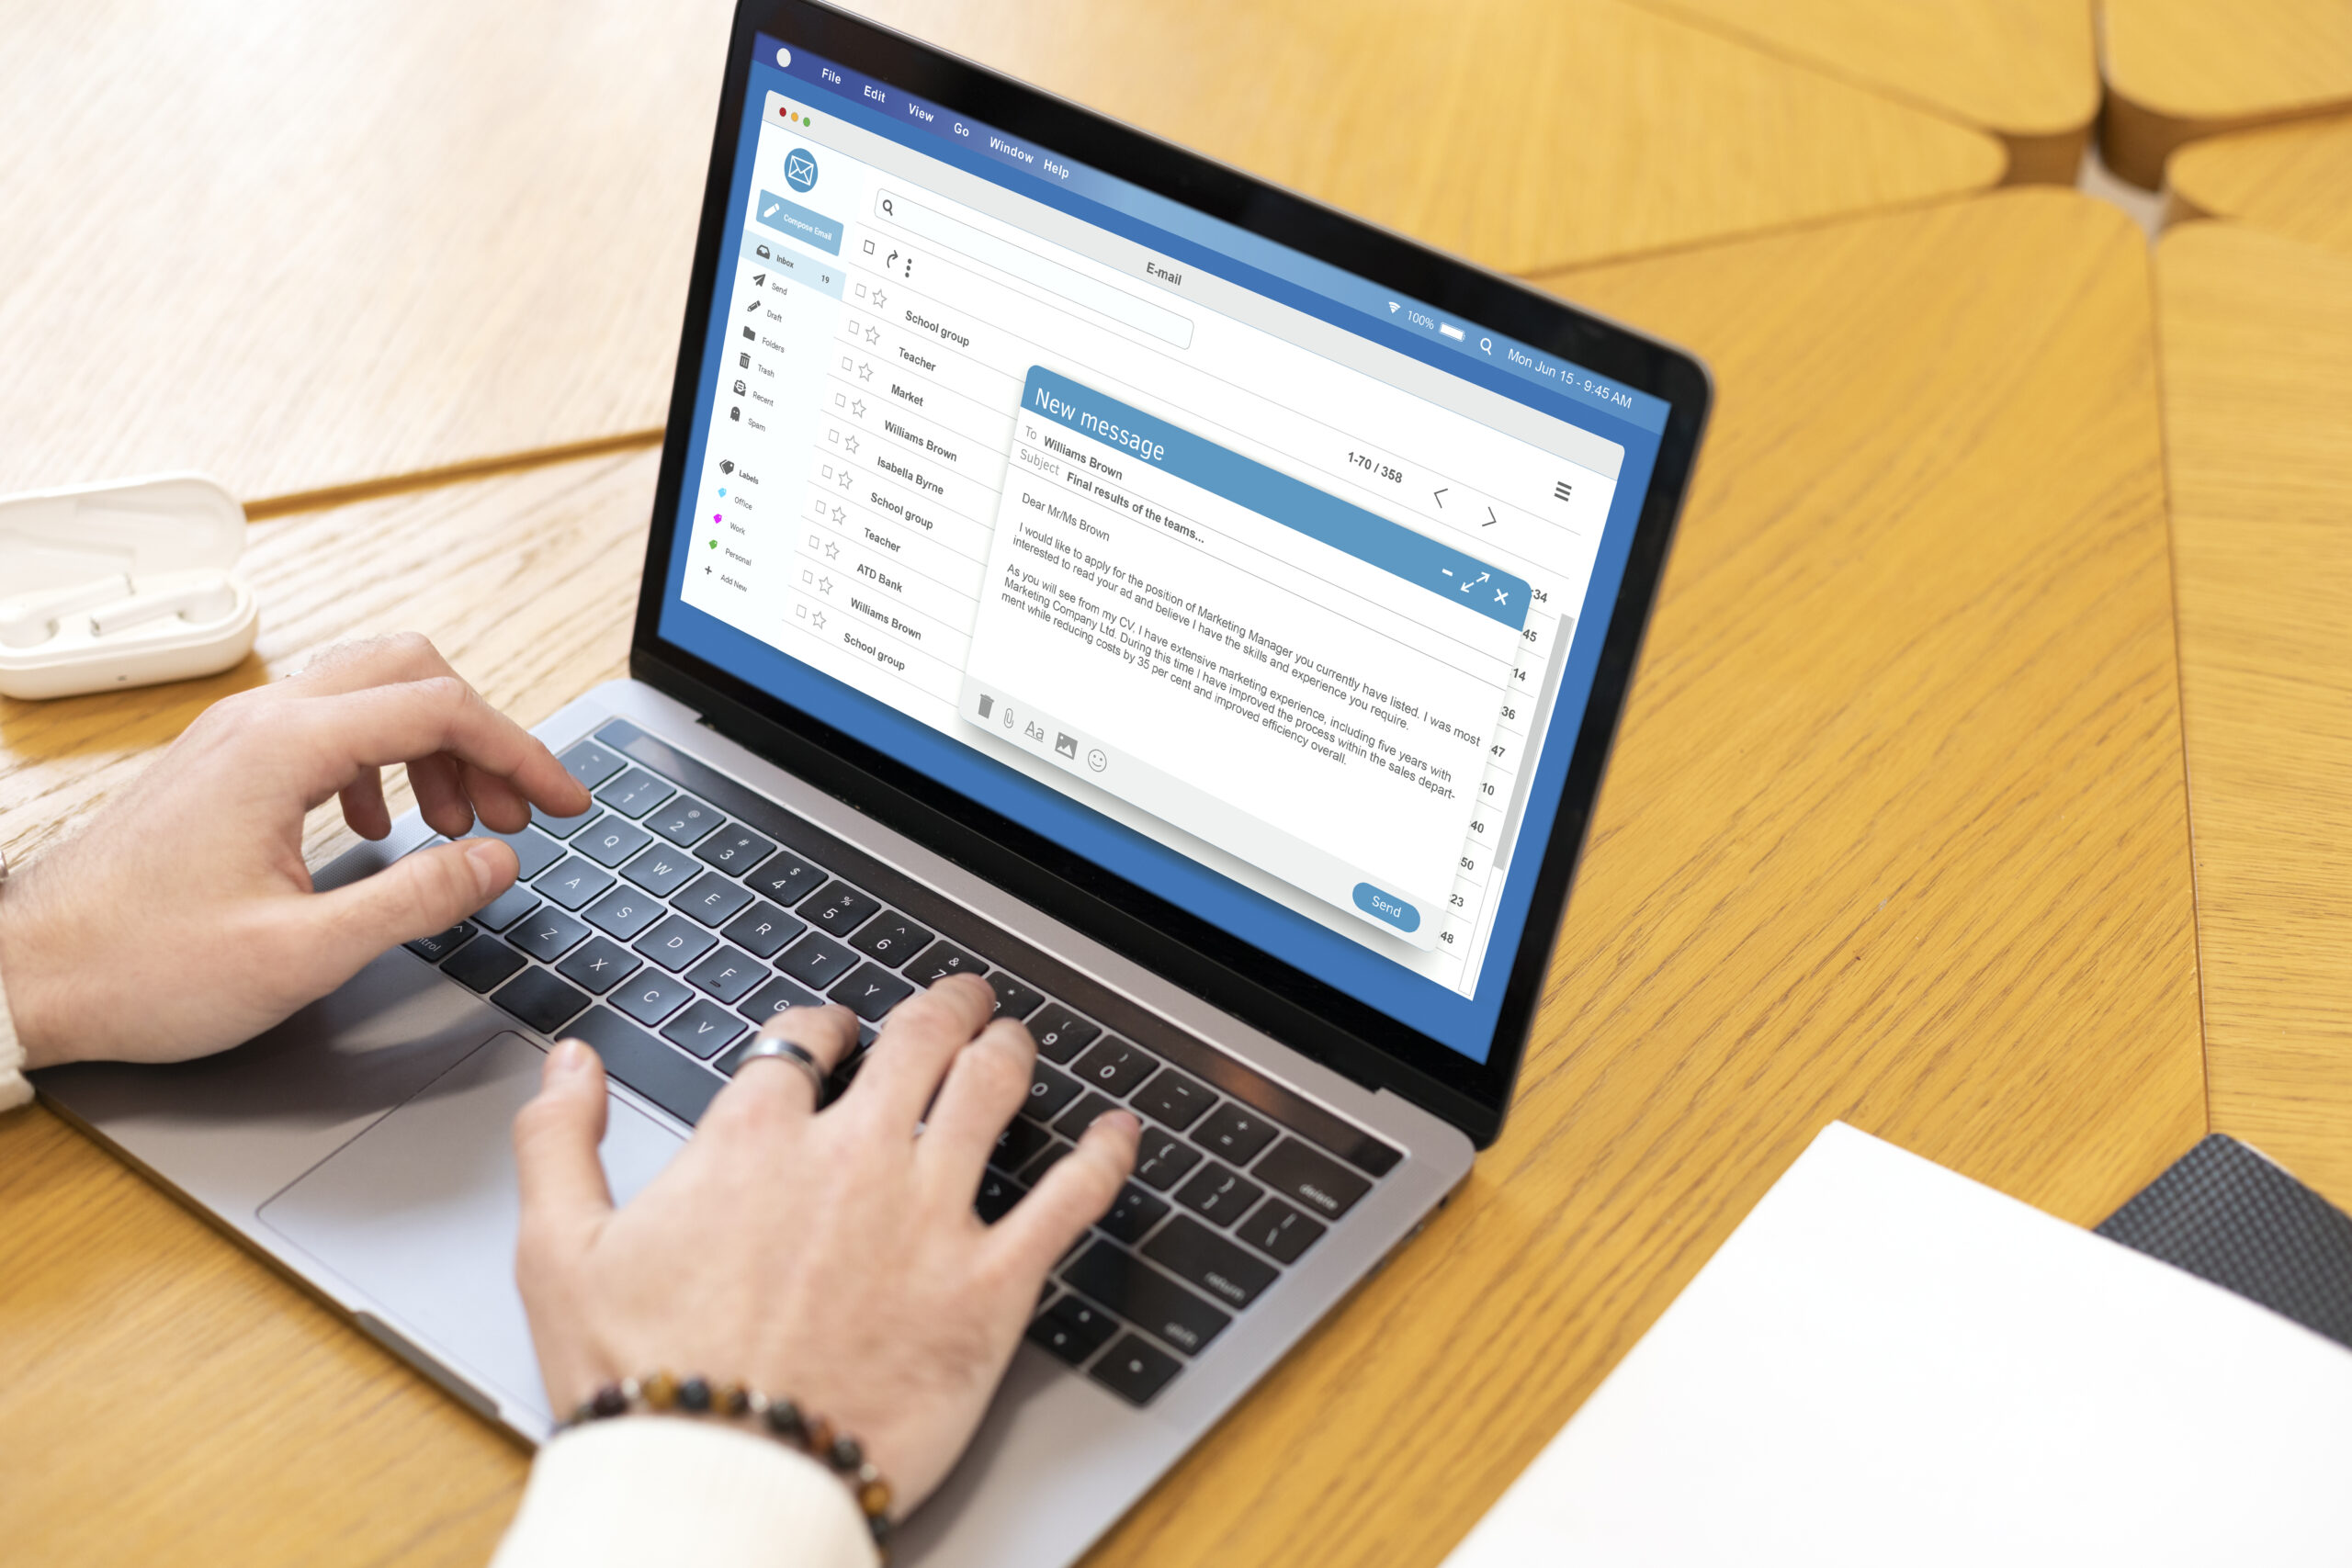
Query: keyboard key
[(871, 991), (1311, 1178), (734, 849), (1235, 1133), (1219, 1194), (611, 840), (713, 899), (434, 949), (599, 966), (676, 943), (1013, 1000), (547, 935), (479, 966), (1018, 1144), (661, 871), (1050, 1156), (651, 1068), (940, 960), (651, 996), (590, 763), (1133, 1214), (1198, 1255), (573, 883), (1072, 1123), (541, 1001), (839, 909), (816, 962), (777, 996), (1279, 1231), (785, 878), (1136, 1370), (635, 792), (1050, 1089), (624, 912), (705, 1028), (1115, 1067), (686, 821), (1163, 1159), (1072, 1330), (728, 973), (1173, 1099), (763, 930), (999, 1193), (533, 851), (1109, 1276), (564, 827), (1061, 1033), (506, 908), (890, 939)]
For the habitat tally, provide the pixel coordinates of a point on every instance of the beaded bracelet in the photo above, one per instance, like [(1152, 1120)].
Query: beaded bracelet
[(779, 1418)]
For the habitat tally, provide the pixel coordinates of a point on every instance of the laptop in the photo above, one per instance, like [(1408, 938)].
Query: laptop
[(1075, 563)]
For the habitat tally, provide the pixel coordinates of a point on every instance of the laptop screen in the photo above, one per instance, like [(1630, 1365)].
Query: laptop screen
[(1269, 590)]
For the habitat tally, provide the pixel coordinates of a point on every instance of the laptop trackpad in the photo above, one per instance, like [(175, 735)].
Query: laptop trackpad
[(419, 1212)]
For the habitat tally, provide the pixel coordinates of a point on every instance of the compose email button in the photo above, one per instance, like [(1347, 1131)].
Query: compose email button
[(812, 229), (1387, 906)]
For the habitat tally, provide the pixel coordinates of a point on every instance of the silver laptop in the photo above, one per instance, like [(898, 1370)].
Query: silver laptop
[(1077, 564)]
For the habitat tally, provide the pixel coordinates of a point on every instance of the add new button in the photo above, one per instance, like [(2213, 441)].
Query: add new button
[(808, 228), (1387, 908)]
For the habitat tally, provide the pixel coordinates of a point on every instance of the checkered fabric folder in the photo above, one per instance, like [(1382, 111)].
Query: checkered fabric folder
[(2227, 1214)]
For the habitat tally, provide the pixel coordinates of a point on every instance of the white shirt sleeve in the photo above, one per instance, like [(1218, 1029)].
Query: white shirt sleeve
[(14, 1089), (641, 1489)]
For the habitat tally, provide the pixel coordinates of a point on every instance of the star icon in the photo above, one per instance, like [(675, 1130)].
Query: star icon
[(858, 407), (818, 620), (839, 516), (824, 585), (833, 551), (850, 446), (874, 334), (881, 301), (865, 371), (844, 481)]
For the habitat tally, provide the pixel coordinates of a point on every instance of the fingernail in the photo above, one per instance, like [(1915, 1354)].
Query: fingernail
[(488, 858), (1126, 1119), (569, 1057)]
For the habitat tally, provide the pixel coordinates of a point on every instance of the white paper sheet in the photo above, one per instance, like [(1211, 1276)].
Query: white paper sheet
[(1888, 1364)]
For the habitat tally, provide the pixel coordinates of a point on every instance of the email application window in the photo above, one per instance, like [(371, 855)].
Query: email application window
[(1178, 555)]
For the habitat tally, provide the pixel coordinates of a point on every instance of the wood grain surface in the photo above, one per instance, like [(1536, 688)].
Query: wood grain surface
[(2293, 179), (2020, 69), (2257, 334), (2179, 70), (1894, 833)]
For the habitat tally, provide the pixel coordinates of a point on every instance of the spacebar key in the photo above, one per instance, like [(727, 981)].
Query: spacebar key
[(678, 1086)]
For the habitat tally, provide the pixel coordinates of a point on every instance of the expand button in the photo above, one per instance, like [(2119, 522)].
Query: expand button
[(1387, 906)]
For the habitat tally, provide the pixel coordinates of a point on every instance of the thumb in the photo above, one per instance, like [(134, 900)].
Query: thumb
[(417, 896), (556, 1134)]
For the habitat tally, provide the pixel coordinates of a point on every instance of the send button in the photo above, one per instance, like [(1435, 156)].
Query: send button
[(1387, 906)]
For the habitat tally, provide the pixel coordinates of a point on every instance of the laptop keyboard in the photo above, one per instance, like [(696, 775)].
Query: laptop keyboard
[(666, 924)]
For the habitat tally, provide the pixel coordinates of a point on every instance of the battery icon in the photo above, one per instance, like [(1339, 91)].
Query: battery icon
[(1450, 330), (986, 704)]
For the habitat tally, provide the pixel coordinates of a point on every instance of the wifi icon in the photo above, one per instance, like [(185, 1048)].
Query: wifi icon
[(1392, 307)]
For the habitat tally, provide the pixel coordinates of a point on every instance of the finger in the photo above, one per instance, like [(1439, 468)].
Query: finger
[(496, 802), (986, 1085), (563, 1189), (1075, 1193), (369, 661), (769, 1094), (918, 1039), (440, 799), (363, 804), (415, 896), (394, 724)]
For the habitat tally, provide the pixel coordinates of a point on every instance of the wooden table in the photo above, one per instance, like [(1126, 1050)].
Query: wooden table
[(2180, 70), (1894, 833), (2257, 335), (2023, 70), (2291, 179)]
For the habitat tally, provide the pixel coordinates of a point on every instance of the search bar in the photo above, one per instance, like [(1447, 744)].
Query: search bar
[(980, 245)]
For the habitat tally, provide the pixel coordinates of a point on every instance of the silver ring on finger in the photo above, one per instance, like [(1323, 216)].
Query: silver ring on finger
[(785, 1050)]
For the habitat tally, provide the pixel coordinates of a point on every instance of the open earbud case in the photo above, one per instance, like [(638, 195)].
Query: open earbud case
[(121, 584)]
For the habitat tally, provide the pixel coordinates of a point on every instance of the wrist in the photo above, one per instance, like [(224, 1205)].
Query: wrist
[(24, 976)]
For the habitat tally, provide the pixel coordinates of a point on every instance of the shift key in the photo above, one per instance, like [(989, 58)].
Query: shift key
[(1142, 1295)]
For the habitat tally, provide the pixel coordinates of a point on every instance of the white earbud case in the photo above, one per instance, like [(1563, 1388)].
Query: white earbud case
[(124, 584)]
